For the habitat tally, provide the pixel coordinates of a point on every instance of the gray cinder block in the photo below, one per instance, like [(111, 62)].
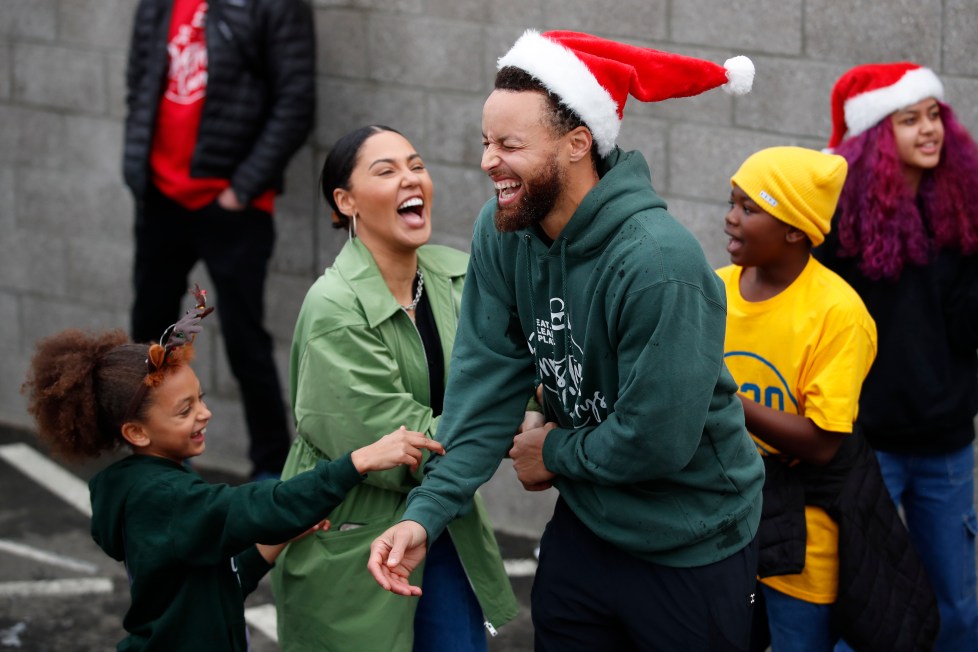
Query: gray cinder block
[(777, 24), (53, 76), (860, 32)]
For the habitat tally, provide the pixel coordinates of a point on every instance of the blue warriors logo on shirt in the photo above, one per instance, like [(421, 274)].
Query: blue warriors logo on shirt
[(761, 381), (562, 375)]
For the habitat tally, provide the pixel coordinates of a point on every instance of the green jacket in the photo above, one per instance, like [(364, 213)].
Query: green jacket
[(358, 371), (622, 320), (189, 546)]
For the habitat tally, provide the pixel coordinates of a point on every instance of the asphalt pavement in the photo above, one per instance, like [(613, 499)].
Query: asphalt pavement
[(59, 591)]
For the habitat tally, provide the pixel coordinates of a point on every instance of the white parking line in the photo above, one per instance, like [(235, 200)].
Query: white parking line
[(520, 567), (49, 475), (79, 586), (74, 492), (47, 557)]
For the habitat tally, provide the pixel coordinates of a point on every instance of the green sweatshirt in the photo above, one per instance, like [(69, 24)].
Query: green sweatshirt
[(622, 320), (188, 545)]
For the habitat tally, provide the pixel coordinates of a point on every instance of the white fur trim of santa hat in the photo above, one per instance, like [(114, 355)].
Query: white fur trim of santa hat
[(566, 76), (865, 110)]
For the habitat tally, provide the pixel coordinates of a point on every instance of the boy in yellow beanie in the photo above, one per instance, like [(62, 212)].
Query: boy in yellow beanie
[(799, 343)]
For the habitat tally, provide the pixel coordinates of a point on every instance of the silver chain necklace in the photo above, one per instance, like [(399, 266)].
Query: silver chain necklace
[(417, 293)]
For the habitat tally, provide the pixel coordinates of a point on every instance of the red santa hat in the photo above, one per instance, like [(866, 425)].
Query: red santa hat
[(868, 93), (594, 77)]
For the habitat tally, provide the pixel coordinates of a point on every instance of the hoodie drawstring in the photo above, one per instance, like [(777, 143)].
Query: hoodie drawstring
[(562, 348), (527, 250), (565, 339)]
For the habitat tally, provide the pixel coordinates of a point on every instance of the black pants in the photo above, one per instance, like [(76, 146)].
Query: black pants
[(590, 595), (236, 248)]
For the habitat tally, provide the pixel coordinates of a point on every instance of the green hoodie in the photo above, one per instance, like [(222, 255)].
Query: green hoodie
[(189, 546), (622, 320)]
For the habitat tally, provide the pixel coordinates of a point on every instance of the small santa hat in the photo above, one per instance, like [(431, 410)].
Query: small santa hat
[(868, 93), (594, 77)]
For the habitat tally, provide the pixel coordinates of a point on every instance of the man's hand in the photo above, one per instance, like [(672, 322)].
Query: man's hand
[(229, 201), (395, 554), (527, 455)]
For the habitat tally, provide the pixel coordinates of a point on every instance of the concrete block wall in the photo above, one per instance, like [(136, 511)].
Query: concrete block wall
[(424, 67)]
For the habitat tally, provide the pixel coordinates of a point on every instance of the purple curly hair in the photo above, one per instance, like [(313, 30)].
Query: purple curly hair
[(883, 223)]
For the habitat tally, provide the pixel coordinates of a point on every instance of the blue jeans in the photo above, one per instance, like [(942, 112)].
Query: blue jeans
[(449, 618), (937, 495), (796, 625)]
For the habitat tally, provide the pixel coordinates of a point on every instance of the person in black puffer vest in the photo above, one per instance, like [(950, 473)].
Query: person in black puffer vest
[(220, 95)]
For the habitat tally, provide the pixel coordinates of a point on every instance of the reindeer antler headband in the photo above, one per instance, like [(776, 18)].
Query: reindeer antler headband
[(174, 348)]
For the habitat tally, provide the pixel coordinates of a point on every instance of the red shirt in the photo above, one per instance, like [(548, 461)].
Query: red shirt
[(178, 117)]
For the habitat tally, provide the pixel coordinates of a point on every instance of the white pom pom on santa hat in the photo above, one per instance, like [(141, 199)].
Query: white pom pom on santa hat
[(594, 76), (740, 75)]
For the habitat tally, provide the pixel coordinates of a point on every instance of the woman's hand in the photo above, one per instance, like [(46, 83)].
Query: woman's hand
[(402, 446)]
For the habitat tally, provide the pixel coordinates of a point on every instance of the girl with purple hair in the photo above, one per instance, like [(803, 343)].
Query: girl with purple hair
[(905, 236)]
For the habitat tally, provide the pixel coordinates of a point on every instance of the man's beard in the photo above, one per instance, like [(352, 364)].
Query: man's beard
[(539, 197)]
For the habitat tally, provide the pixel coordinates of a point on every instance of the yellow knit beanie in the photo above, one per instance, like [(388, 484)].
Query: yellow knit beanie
[(796, 185)]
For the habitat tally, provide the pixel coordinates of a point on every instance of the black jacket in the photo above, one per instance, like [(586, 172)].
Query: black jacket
[(921, 395), (885, 601), (260, 103)]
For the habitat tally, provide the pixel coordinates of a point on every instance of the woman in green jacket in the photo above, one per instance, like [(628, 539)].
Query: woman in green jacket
[(370, 352)]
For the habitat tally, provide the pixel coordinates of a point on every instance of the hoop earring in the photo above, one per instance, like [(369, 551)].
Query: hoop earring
[(353, 226)]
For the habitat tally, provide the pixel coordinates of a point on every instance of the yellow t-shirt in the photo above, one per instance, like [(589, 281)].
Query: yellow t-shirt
[(804, 351)]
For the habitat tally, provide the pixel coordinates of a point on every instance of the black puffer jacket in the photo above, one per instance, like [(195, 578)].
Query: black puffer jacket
[(260, 104), (885, 601)]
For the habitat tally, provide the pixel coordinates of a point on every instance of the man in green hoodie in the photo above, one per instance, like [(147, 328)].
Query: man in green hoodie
[(580, 282)]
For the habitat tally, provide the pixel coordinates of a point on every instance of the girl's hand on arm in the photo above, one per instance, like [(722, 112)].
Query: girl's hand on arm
[(402, 446), (270, 552)]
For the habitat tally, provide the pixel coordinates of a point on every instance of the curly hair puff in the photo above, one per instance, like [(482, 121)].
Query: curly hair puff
[(80, 386)]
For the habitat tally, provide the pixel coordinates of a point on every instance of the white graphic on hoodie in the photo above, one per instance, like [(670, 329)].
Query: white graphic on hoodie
[(562, 378), (187, 79)]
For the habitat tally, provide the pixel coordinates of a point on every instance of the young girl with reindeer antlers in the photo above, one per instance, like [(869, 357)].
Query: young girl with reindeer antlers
[(192, 550)]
